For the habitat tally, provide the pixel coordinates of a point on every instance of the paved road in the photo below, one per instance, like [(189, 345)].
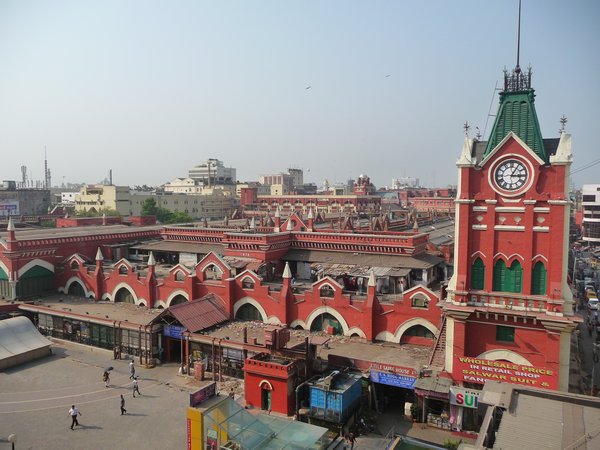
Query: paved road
[(587, 342), (35, 399)]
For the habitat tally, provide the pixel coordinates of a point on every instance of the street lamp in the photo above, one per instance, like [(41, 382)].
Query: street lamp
[(12, 438)]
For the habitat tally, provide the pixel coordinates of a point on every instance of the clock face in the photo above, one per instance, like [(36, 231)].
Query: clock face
[(511, 175)]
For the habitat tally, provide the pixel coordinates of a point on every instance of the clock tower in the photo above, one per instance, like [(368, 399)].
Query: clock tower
[(509, 311)]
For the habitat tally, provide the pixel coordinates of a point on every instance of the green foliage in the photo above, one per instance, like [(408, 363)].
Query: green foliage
[(451, 444), (163, 215), (180, 217), (149, 207), (48, 223)]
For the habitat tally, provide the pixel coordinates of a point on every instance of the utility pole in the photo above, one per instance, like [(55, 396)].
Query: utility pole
[(595, 348)]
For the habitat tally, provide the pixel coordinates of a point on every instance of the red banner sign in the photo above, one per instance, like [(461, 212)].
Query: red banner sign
[(479, 370)]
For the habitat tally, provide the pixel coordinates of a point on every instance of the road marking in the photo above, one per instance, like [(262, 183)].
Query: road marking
[(63, 405)]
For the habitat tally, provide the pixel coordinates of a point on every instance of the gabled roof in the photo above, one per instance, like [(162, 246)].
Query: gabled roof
[(517, 113), (199, 314)]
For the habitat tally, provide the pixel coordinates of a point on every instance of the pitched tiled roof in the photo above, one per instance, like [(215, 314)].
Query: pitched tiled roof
[(200, 314)]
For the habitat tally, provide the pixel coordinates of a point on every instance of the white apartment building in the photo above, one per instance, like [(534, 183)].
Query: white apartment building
[(590, 202), (213, 172)]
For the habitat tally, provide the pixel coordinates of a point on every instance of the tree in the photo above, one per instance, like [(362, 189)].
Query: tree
[(149, 208), (163, 215)]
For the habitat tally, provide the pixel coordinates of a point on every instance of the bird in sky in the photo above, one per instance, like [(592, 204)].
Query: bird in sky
[(389, 75), (308, 87)]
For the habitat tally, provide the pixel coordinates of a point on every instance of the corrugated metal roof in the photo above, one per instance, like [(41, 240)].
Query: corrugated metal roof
[(183, 247), (422, 261), (536, 423), (241, 263), (200, 314), (434, 384)]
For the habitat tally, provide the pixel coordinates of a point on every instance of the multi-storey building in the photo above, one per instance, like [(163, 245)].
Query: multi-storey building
[(590, 204), (213, 172), (399, 183), (129, 203)]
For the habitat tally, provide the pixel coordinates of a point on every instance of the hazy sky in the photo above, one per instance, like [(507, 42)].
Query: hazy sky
[(151, 88)]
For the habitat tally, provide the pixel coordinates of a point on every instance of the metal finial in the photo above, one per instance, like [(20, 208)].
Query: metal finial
[(518, 69), (477, 133), (466, 127), (563, 123)]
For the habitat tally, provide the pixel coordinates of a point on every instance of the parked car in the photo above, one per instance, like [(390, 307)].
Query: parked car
[(593, 304)]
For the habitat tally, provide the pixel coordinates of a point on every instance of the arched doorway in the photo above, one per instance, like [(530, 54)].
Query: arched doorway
[(327, 322), (178, 300), (248, 312), (36, 280), (124, 295), (415, 334), (265, 398), (76, 290)]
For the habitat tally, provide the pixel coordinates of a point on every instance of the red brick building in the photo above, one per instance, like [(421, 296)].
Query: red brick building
[(374, 284), (509, 305)]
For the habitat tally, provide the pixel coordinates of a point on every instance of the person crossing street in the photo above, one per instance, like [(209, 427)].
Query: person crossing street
[(123, 410), (74, 412), (136, 387)]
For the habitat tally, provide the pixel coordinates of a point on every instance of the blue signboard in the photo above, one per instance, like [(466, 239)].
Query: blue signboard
[(392, 379), (173, 331)]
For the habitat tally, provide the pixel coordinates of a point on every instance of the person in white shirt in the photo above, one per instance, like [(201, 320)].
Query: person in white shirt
[(135, 387), (131, 370), (74, 412)]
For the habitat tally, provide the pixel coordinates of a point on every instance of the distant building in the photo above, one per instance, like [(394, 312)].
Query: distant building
[(401, 182), (68, 198), (289, 181), (129, 203), (27, 202), (590, 201), (213, 172), (195, 187)]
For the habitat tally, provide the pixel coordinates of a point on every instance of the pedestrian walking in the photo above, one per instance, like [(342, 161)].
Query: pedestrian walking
[(352, 440), (74, 412), (131, 370), (136, 387), (106, 378), (123, 410)]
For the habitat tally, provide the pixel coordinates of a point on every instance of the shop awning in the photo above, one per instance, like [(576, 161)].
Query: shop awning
[(436, 387)]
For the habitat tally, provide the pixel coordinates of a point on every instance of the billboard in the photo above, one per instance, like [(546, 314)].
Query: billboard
[(9, 208), (468, 398), (479, 370), (392, 379)]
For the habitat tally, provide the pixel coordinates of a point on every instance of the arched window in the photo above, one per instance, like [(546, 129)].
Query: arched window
[(420, 331), (507, 279), (212, 272), (75, 265), (123, 269), (179, 276), (477, 275), (514, 278), (499, 276), (538, 279), (248, 283), (419, 301), (326, 291)]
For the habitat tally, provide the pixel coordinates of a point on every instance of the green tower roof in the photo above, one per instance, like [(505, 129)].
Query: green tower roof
[(517, 114)]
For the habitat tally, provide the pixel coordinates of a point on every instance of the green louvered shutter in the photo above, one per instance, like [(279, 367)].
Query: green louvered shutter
[(499, 276), (538, 279), (477, 275)]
